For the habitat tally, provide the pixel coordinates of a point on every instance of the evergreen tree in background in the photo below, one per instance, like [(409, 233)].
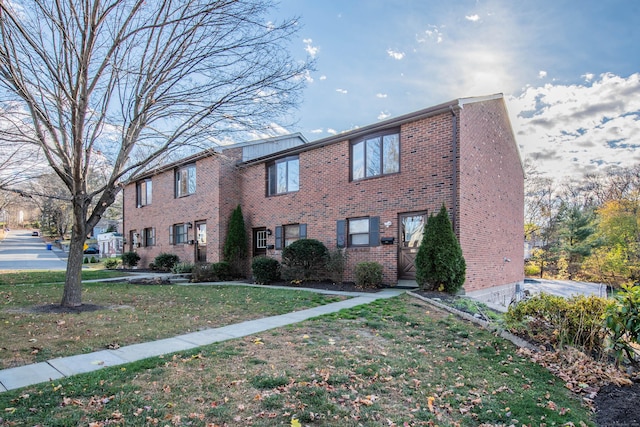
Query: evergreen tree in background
[(235, 246), (440, 265)]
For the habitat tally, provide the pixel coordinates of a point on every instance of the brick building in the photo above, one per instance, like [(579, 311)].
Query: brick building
[(368, 190)]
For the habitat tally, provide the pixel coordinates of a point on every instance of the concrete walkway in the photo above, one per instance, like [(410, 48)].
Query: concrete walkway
[(62, 367)]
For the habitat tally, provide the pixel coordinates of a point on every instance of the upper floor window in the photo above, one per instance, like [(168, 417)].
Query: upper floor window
[(143, 192), (283, 176), (375, 155), (186, 180)]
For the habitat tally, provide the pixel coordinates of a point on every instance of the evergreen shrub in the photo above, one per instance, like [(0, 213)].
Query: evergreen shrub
[(439, 263), (130, 259), (265, 270), (306, 259), (165, 261)]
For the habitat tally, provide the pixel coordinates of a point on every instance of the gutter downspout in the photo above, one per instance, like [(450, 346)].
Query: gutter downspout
[(454, 142)]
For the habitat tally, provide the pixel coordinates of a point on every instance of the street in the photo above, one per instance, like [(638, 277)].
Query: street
[(22, 251)]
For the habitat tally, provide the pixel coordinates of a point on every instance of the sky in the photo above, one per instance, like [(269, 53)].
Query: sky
[(569, 70)]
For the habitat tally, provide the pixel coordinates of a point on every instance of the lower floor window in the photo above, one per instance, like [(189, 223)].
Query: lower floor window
[(359, 232), (149, 236), (287, 234), (178, 234)]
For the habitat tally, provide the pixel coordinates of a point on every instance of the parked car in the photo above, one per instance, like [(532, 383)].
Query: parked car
[(92, 251), (35, 233)]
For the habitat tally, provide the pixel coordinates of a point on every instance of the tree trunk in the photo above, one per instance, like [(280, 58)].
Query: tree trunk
[(72, 295)]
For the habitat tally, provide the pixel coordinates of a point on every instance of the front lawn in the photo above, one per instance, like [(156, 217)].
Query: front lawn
[(396, 362), (127, 314)]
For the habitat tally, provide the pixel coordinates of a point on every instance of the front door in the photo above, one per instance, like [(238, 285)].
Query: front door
[(201, 242), (259, 241), (411, 230)]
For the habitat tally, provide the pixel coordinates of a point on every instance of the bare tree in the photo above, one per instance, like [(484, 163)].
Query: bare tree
[(135, 80)]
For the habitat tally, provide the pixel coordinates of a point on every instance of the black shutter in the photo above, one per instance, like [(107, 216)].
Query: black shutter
[(374, 231), (303, 231), (278, 237), (341, 226)]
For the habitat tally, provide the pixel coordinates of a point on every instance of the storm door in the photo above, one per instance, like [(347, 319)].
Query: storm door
[(260, 241), (201, 242), (411, 230)]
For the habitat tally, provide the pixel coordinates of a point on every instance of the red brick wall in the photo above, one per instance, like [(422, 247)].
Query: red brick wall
[(326, 194), (489, 217), (491, 197), (205, 205)]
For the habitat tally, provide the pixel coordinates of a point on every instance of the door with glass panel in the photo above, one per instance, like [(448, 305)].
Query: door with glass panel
[(201, 241), (411, 229)]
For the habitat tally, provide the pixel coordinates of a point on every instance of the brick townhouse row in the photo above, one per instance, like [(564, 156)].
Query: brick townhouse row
[(368, 191)]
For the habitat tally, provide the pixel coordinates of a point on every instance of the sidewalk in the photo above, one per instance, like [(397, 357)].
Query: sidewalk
[(54, 369)]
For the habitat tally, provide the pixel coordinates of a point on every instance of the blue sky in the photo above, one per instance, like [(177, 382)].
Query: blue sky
[(569, 70)]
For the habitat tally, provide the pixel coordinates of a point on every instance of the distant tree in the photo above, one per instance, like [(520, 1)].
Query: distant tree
[(575, 231), (439, 262), (133, 81), (235, 250)]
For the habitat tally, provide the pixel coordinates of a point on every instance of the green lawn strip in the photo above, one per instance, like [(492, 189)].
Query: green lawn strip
[(397, 361), (130, 314), (41, 277)]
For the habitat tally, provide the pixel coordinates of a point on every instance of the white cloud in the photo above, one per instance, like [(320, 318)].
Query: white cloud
[(542, 74), (332, 131), (343, 91), (316, 131), (311, 50), (381, 95), (472, 18), (383, 115), (323, 77), (576, 129), (432, 33), (588, 77), (395, 55)]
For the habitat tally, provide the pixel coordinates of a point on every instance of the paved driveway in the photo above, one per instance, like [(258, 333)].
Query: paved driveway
[(564, 288), (22, 251)]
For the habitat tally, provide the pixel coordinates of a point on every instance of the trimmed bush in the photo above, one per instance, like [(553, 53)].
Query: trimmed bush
[(93, 260), (306, 259), (182, 267), (440, 265), (207, 272), (111, 263), (368, 275), (265, 270), (130, 259), (165, 261)]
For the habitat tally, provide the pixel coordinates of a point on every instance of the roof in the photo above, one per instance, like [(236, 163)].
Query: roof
[(455, 104)]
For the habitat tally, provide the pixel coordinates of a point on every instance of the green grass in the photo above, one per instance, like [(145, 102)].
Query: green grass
[(334, 370), (43, 277), (130, 314)]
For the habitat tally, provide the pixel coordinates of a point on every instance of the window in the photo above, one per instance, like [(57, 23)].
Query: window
[(143, 189), (178, 234), (287, 234), (374, 156), (283, 176), (149, 236), (358, 232), (261, 239), (186, 180)]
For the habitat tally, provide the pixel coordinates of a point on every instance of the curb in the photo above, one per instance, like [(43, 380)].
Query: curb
[(519, 342)]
